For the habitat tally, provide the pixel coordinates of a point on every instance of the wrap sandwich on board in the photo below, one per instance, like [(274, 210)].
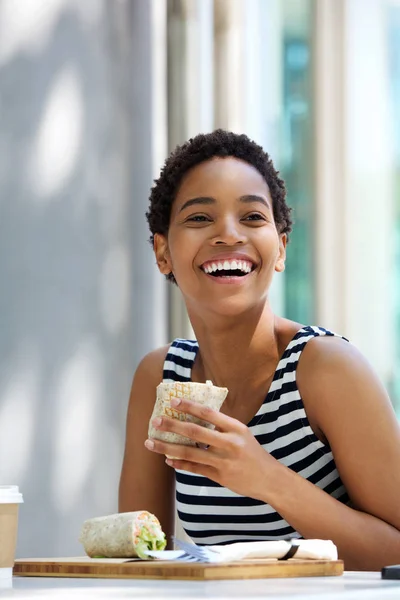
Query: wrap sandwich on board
[(206, 394), (123, 535)]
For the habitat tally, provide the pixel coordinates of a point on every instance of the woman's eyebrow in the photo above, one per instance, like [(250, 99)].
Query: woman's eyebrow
[(200, 200), (207, 200), (248, 198)]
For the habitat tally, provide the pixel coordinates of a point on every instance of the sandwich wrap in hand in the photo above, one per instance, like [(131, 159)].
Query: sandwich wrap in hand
[(206, 394), (123, 535)]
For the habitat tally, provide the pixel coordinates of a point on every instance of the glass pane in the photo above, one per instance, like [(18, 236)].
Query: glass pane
[(394, 66), (297, 158)]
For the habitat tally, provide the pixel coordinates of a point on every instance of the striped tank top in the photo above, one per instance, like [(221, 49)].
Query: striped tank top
[(213, 514)]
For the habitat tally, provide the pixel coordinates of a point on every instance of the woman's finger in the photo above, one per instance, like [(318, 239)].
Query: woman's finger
[(196, 433), (223, 422), (180, 452)]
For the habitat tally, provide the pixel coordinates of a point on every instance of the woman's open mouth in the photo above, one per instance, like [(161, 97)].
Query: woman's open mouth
[(228, 269)]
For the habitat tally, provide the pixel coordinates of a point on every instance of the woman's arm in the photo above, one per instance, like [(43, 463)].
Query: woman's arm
[(146, 482), (349, 406)]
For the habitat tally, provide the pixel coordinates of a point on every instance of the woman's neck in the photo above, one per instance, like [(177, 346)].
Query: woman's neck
[(238, 352)]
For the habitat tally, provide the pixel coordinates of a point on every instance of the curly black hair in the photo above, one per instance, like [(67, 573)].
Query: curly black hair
[(203, 147)]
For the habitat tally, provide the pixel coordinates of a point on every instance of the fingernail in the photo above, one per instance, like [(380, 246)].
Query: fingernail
[(157, 421), (169, 462), (149, 444), (175, 401)]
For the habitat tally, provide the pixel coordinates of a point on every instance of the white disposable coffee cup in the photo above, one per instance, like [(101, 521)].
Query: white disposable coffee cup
[(10, 499)]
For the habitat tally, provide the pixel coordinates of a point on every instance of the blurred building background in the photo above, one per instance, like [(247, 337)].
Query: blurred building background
[(93, 95)]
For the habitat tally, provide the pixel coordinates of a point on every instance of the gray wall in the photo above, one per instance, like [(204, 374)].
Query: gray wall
[(80, 298)]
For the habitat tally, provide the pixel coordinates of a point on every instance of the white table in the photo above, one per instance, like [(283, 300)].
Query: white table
[(349, 586)]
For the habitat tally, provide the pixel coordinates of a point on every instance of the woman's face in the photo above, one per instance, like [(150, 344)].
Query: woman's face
[(222, 216)]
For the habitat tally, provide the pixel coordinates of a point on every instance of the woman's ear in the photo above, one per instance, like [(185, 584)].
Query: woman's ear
[(280, 263), (161, 251)]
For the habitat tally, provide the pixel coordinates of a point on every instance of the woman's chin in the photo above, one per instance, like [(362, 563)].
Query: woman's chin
[(235, 306)]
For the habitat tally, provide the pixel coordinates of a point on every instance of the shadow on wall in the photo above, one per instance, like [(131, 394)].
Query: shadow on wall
[(66, 356)]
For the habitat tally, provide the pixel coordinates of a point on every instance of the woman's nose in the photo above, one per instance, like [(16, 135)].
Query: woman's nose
[(229, 232)]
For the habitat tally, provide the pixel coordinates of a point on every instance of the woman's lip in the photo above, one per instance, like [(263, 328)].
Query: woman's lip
[(229, 258), (235, 280)]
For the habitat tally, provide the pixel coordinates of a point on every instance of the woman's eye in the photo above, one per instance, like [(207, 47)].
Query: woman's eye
[(255, 217), (198, 219)]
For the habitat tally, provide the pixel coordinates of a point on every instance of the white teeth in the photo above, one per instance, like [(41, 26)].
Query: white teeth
[(227, 265)]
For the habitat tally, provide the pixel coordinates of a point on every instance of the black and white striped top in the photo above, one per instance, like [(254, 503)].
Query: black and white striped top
[(212, 514)]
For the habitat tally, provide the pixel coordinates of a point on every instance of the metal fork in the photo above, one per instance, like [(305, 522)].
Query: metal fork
[(188, 557), (165, 555), (198, 552)]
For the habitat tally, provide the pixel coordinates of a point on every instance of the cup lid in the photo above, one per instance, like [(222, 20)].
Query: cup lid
[(10, 494)]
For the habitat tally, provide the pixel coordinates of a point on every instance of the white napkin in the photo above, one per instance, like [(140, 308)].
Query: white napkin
[(307, 549), (301, 549)]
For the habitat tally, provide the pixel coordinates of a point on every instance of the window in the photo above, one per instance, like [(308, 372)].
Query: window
[(297, 158), (394, 70)]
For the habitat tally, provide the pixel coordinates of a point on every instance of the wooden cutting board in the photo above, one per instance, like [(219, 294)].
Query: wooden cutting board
[(157, 569)]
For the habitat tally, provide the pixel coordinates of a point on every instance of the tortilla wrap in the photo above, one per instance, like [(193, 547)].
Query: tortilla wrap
[(123, 535), (206, 394)]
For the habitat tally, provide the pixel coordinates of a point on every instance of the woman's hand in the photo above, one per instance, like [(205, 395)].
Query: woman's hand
[(233, 457)]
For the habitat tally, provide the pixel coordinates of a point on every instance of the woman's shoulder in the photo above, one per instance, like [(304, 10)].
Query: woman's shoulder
[(326, 347), (151, 365), (337, 384), (326, 355), (313, 338), (333, 374)]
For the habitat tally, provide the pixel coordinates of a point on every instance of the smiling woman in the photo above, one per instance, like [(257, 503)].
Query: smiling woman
[(288, 456)]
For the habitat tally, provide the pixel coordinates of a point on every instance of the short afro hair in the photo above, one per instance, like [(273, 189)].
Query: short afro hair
[(204, 147)]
